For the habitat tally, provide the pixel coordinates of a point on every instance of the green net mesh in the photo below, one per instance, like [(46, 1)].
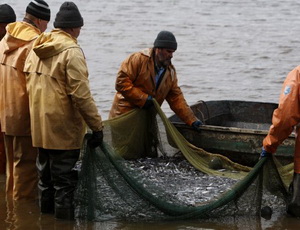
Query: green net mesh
[(137, 174)]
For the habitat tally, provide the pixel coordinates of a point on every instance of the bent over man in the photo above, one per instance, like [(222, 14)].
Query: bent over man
[(21, 173), (61, 105), (285, 119), (150, 74)]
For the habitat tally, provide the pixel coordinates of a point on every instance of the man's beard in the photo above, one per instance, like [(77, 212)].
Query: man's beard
[(162, 61), (166, 63)]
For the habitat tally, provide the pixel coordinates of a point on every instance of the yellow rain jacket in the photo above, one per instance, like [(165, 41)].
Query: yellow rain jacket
[(136, 80), (60, 100), (14, 108), (286, 117)]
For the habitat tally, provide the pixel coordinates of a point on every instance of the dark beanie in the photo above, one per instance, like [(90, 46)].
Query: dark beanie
[(7, 14), (68, 16), (165, 39), (39, 9)]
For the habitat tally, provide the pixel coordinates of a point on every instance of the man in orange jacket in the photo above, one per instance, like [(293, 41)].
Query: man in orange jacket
[(285, 119), (149, 74), (7, 15)]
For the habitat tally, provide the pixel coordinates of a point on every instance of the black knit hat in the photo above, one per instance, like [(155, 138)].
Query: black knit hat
[(39, 9), (165, 39), (68, 16), (7, 14)]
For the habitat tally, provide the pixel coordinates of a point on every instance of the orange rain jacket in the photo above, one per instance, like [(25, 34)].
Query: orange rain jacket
[(136, 80), (60, 100), (14, 108), (286, 117)]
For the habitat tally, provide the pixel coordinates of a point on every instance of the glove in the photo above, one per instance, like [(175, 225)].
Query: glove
[(96, 139), (196, 125), (148, 103), (264, 153)]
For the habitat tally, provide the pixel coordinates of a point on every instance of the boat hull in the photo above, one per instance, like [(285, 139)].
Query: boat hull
[(235, 129)]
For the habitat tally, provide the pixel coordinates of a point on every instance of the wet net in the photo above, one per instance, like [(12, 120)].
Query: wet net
[(145, 169)]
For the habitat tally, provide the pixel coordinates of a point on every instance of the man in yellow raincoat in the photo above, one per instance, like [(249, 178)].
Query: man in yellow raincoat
[(7, 15), (61, 105), (285, 119), (150, 74), (21, 173)]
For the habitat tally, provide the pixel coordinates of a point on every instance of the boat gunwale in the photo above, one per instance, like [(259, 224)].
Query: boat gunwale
[(226, 129)]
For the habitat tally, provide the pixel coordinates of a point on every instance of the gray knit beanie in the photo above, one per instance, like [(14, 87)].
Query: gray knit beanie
[(165, 39), (68, 16), (39, 9), (7, 14)]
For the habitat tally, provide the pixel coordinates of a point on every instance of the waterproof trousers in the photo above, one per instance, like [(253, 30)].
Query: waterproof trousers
[(2, 154), (293, 207), (297, 151), (57, 181), (21, 172)]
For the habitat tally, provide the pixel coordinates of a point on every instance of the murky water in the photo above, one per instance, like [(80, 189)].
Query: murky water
[(226, 50)]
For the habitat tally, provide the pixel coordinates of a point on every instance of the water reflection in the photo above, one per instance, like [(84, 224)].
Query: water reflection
[(22, 214), (26, 215)]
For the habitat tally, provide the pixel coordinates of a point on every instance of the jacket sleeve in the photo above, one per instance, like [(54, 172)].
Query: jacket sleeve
[(287, 115), (127, 74), (178, 103), (79, 90)]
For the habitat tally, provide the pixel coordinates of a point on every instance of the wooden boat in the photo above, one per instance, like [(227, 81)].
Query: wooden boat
[(235, 129)]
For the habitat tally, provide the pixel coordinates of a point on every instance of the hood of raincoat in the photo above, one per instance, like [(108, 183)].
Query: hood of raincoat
[(14, 48), (18, 35), (49, 44)]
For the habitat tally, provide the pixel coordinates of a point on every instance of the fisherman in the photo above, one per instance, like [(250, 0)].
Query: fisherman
[(61, 105), (21, 173), (149, 74), (7, 15), (286, 119)]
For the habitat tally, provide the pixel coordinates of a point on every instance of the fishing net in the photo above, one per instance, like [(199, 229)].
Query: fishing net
[(137, 174)]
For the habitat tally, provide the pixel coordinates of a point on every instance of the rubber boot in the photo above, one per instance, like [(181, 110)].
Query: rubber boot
[(65, 180), (293, 207), (64, 213), (45, 185), (46, 203), (64, 207)]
